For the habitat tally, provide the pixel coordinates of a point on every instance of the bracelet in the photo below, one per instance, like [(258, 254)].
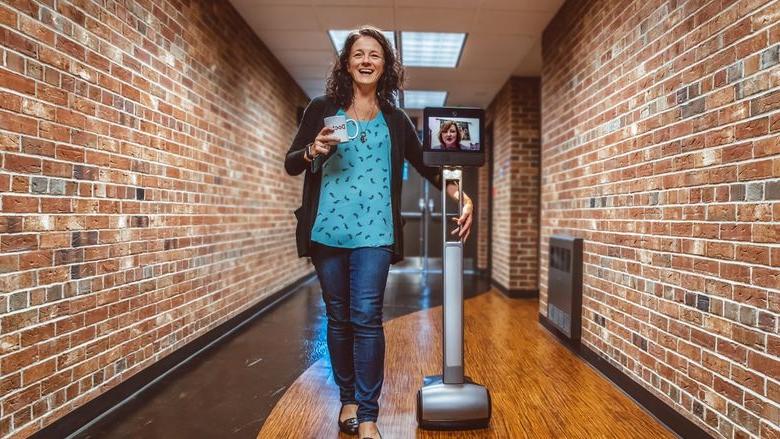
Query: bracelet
[(307, 152)]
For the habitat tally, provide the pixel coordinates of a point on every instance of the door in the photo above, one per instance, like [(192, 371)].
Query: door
[(421, 210)]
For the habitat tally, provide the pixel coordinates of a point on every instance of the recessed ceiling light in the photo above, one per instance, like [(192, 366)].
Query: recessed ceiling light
[(338, 37), (431, 49), (414, 99)]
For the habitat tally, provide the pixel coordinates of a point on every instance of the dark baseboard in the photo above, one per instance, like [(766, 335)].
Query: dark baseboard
[(673, 420), (81, 416), (516, 293), (563, 338)]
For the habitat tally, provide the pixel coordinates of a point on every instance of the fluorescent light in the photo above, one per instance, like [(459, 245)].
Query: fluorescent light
[(414, 99), (431, 49), (338, 37)]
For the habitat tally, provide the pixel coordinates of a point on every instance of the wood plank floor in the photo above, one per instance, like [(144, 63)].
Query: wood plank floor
[(539, 388)]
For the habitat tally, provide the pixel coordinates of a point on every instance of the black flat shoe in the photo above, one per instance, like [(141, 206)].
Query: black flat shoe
[(348, 426)]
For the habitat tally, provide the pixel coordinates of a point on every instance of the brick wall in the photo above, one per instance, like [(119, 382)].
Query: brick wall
[(482, 217), (661, 149), (515, 115), (143, 194)]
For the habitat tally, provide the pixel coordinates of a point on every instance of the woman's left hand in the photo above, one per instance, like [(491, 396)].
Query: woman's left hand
[(464, 221)]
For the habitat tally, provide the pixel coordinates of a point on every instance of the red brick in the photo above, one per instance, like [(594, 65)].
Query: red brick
[(37, 334), (56, 381), (69, 153), (21, 399), (20, 183), (721, 212), (720, 250), (754, 212), (736, 232), (18, 43), (22, 204), (764, 364), (39, 371), (10, 102), (769, 233), (37, 147), (36, 30), (736, 153), (22, 164), (747, 379), (728, 389), (749, 337), (751, 296), (703, 230), (752, 253), (71, 118), (56, 205), (9, 263), (766, 277), (769, 431), (7, 17), (767, 147), (9, 383), (27, 7), (755, 170), (19, 359), (71, 47), (57, 169), (735, 272), (765, 103), (15, 243), (36, 260), (732, 351), (18, 123), (753, 128), (52, 94), (53, 131)]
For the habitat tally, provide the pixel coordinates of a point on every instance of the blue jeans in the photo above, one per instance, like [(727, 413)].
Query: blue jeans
[(353, 287)]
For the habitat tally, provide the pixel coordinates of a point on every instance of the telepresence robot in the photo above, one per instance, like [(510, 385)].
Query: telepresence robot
[(452, 401)]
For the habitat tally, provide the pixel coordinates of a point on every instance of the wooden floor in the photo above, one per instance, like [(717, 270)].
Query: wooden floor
[(539, 388)]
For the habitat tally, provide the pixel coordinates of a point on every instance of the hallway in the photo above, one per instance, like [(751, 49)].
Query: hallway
[(163, 167)]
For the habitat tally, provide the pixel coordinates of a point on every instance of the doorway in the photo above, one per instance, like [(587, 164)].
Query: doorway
[(421, 210)]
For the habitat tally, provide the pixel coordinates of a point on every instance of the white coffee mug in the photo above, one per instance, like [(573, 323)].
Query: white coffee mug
[(339, 126)]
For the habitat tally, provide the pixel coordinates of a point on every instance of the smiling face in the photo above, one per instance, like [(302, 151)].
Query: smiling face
[(366, 61), (450, 137)]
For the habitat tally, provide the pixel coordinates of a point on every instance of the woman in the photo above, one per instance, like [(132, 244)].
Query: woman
[(350, 222), (450, 136)]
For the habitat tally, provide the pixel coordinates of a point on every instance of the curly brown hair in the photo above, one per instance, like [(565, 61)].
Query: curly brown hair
[(339, 84)]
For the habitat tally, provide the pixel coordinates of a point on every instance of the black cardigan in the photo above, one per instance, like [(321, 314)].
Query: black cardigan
[(404, 144)]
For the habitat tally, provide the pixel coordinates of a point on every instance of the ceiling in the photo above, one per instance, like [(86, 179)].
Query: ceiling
[(504, 38)]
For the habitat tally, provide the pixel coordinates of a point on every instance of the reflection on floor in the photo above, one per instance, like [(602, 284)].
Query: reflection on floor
[(229, 390), (539, 388)]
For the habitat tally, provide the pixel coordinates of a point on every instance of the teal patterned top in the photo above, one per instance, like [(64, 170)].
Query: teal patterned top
[(354, 209)]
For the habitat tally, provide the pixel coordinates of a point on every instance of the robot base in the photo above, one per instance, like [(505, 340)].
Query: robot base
[(452, 406)]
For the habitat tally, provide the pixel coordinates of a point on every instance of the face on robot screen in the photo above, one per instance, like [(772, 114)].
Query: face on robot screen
[(454, 136)]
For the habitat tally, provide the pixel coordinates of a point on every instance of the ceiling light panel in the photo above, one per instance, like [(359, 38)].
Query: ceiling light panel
[(415, 99), (431, 49)]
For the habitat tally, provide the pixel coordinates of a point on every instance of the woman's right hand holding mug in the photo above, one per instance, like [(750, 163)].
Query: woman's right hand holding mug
[(323, 143)]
